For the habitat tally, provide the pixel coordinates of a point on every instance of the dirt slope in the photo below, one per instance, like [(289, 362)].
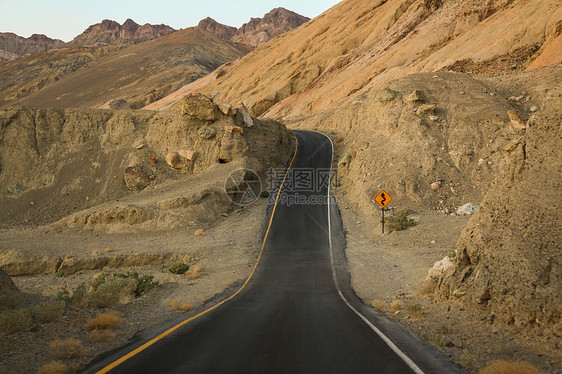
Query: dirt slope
[(138, 75), (357, 46)]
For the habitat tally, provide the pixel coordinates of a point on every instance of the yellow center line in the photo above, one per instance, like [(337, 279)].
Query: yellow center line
[(172, 329)]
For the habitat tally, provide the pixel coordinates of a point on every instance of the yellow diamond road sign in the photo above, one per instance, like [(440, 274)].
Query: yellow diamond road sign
[(383, 199)]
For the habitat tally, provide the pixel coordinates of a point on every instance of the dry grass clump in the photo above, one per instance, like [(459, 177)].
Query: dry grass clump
[(397, 305), (95, 252), (12, 321), (48, 311), (67, 348), (195, 271), (199, 232), (378, 304), (100, 336), (467, 359), (68, 256), (507, 367), (414, 310), (104, 321), (11, 299), (176, 305), (53, 367), (178, 268), (108, 250)]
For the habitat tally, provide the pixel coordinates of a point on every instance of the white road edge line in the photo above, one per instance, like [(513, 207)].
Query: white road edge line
[(388, 342)]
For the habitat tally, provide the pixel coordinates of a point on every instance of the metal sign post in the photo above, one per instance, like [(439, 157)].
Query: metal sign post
[(383, 199)]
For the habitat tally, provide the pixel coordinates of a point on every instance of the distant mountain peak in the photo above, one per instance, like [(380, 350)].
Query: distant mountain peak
[(111, 32), (258, 30)]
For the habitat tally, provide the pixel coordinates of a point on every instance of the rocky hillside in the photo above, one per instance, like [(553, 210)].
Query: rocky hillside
[(259, 30), (509, 255), (13, 46), (111, 32), (133, 77), (58, 162), (357, 46)]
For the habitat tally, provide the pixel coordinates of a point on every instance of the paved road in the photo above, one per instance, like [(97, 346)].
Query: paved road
[(290, 318)]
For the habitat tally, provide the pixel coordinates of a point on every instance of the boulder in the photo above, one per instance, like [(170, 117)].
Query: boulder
[(435, 186), (416, 96), (246, 118), (234, 129), (173, 159), (136, 179), (187, 154), (516, 121), (200, 107), (467, 209), (439, 268), (426, 109)]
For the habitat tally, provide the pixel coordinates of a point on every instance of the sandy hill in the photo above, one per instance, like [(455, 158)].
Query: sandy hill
[(138, 75), (358, 45)]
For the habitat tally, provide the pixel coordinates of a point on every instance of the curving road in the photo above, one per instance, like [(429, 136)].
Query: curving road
[(297, 314)]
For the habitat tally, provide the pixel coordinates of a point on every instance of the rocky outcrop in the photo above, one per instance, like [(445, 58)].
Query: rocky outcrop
[(111, 32), (274, 23), (221, 31), (13, 46)]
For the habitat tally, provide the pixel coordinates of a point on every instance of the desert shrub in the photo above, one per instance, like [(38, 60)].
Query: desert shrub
[(195, 271), (54, 367), (67, 348), (414, 309), (75, 299), (176, 305), (443, 329), (400, 221), (510, 367), (112, 291), (104, 321), (467, 359), (178, 268), (48, 311), (144, 283), (396, 305), (12, 321), (108, 250), (11, 299), (100, 336), (378, 304)]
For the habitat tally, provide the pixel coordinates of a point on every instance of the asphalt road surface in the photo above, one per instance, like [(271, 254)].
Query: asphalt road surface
[(297, 314)]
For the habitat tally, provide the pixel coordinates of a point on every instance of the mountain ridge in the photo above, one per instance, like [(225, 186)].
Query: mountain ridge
[(258, 30)]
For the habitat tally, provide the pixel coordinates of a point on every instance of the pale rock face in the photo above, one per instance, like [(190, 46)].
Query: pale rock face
[(439, 268), (467, 209)]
